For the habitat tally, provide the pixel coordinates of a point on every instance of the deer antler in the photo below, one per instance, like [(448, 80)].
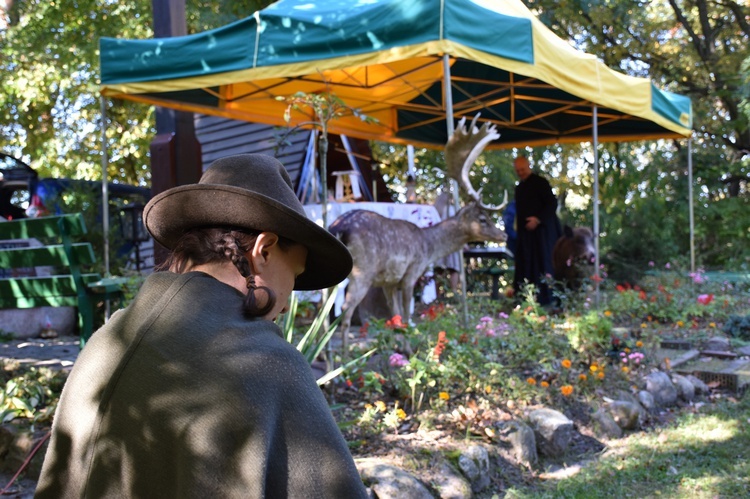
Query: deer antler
[(462, 149)]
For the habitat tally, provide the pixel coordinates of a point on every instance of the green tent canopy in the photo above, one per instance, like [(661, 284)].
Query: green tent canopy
[(388, 59)]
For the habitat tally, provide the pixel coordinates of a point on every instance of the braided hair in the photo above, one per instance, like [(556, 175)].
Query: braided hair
[(214, 245)]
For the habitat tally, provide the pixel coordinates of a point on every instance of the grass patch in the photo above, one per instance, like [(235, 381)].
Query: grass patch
[(699, 455)]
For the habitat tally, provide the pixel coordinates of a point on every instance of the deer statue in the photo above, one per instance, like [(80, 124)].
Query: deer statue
[(393, 254)]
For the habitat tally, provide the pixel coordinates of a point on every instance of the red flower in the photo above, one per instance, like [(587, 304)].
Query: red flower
[(363, 330), (442, 341), (642, 295), (394, 322), (620, 288), (705, 299), (596, 278)]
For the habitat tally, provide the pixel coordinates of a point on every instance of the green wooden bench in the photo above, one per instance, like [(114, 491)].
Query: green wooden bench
[(69, 283)]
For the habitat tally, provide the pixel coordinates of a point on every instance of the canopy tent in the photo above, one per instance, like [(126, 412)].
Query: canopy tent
[(414, 66), (388, 60)]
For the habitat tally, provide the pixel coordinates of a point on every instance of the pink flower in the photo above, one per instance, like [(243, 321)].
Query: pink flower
[(397, 360), (667, 265), (705, 299), (651, 264)]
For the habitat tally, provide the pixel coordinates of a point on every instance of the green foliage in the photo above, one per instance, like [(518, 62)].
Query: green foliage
[(312, 342), (738, 326), (592, 332), (31, 394)]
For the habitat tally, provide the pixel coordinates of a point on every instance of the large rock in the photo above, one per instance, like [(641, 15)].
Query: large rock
[(685, 389), (607, 425), (660, 386), (718, 344), (626, 396), (450, 484), (700, 387), (647, 400), (474, 463), (523, 441), (552, 430), (390, 482), (626, 414)]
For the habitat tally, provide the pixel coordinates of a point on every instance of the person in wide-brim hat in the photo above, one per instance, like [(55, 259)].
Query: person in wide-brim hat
[(249, 191), (193, 390)]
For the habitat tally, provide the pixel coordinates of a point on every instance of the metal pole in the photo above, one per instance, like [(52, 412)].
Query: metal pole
[(410, 158), (690, 204), (447, 91), (105, 196), (596, 200)]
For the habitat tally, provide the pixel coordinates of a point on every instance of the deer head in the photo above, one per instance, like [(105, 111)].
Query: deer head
[(462, 149)]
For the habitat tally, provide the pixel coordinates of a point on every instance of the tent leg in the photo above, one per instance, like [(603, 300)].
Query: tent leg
[(105, 196), (595, 128), (690, 204)]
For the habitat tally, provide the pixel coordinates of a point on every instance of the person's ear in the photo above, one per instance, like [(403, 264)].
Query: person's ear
[(265, 246)]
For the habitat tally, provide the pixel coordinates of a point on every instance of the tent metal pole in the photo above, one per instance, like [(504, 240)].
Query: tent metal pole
[(448, 93), (410, 159), (595, 128), (690, 204), (105, 195)]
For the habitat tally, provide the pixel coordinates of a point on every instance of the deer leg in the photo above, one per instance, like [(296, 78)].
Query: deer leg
[(391, 298), (407, 293), (355, 293)]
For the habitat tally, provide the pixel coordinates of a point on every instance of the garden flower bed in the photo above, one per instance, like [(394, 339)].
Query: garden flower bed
[(438, 387)]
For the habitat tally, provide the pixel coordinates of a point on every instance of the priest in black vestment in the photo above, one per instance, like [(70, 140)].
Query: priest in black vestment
[(538, 228)]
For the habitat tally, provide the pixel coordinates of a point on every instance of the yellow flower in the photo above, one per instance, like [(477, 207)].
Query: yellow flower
[(488, 389), (644, 325), (544, 384), (627, 350), (368, 406), (600, 375), (582, 377), (713, 324), (607, 313), (625, 369), (380, 405), (639, 344), (400, 413), (593, 368), (680, 323), (531, 381), (566, 390), (443, 395), (566, 363)]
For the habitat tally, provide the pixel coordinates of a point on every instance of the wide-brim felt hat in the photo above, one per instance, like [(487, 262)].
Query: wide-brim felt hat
[(253, 192)]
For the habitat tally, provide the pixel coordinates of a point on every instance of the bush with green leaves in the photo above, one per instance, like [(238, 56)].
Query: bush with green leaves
[(31, 394), (738, 326)]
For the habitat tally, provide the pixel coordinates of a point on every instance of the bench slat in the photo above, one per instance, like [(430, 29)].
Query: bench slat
[(70, 287), (53, 255), (43, 287), (42, 227)]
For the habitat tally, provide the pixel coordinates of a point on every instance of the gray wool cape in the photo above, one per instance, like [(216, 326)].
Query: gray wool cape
[(178, 395)]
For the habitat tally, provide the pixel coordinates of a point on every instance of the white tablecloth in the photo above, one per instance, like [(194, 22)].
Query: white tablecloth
[(421, 215)]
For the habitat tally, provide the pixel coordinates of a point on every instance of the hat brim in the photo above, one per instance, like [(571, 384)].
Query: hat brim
[(170, 214)]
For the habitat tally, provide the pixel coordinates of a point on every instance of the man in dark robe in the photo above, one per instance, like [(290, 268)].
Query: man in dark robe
[(538, 228)]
